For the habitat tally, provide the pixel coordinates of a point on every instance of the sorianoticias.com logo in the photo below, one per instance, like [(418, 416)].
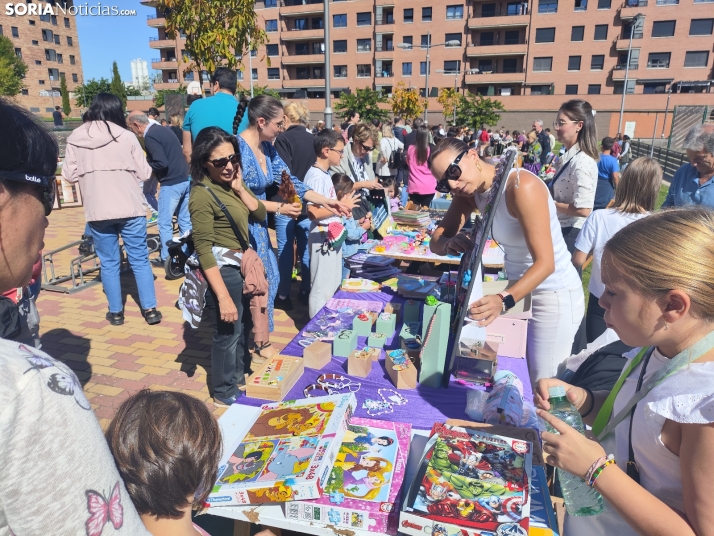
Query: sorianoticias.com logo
[(92, 10)]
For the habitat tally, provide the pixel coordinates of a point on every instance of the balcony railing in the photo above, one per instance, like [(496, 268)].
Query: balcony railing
[(502, 13), (172, 81), (384, 20), (635, 3), (384, 74), (291, 3), (623, 66), (658, 65), (496, 42), (667, 2), (389, 47), (154, 39)]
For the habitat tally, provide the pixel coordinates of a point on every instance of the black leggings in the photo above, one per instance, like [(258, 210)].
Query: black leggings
[(421, 199), (594, 320)]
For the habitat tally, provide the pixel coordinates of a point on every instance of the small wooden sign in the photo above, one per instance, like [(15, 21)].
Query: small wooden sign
[(317, 355), (404, 378), (275, 378)]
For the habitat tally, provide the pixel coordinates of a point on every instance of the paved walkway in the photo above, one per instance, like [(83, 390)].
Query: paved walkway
[(113, 362)]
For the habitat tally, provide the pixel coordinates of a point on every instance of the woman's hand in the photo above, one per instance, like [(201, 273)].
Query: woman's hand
[(569, 450), (337, 207), (576, 395), (369, 185), (366, 222), (352, 200), (460, 243), (486, 310), (291, 210), (237, 185), (228, 310)]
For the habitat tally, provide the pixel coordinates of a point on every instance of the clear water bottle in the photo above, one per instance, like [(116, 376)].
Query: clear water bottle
[(580, 499)]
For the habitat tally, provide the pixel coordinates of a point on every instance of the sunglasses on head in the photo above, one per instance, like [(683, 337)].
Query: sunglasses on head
[(453, 173), (44, 184), (223, 162)]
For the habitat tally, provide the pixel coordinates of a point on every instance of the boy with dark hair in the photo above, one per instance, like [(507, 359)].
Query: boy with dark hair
[(608, 175)]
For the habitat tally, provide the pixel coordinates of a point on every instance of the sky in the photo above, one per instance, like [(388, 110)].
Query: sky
[(103, 40)]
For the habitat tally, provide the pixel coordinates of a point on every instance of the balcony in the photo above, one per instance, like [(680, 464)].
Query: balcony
[(623, 43), (155, 21), (502, 21), (301, 35), (386, 3), (473, 51), (630, 8), (159, 86), (294, 9), (303, 59), (495, 78), (157, 43), (618, 71), (160, 64), (384, 74), (294, 83)]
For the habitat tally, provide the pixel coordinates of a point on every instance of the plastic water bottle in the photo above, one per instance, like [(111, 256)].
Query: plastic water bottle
[(580, 499)]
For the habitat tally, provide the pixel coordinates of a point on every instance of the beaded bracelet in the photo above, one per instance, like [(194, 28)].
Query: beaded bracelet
[(599, 471), (597, 463)]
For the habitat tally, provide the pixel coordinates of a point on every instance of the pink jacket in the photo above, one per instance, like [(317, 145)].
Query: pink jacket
[(108, 170), (421, 181)]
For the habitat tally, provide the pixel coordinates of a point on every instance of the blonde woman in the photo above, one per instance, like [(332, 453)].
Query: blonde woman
[(177, 127), (355, 161), (387, 145)]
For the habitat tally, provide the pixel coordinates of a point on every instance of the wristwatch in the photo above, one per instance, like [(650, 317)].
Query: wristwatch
[(507, 301)]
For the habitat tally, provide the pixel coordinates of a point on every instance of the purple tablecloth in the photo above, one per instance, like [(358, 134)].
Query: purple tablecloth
[(425, 405)]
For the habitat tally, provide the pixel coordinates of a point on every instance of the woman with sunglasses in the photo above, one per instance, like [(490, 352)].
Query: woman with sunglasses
[(526, 226), (355, 162), (262, 167), (108, 162)]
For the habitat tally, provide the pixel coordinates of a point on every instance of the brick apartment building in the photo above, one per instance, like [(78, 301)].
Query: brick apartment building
[(530, 54), (49, 45)]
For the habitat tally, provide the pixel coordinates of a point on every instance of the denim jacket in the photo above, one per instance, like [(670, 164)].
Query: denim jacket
[(354, 237)]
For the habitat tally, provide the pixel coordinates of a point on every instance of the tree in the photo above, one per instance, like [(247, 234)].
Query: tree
[(160, 97), (407, 102), (66, 106), (449, 99), (257, 90), (86, 93), (131, 91), (117, 86), (12, 69), (476, 110), (216, 31), (365, 102)]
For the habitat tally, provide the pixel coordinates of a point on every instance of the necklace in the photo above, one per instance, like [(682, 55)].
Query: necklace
[(390, 398)]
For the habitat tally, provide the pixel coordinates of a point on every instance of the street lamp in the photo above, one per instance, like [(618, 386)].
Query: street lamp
[(429, 46), (635, 22), (456, 77)]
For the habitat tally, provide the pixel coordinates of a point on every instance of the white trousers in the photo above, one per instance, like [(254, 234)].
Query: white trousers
[(325, 272), (556, 318)]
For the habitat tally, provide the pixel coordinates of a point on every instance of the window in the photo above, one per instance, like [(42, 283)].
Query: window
[(301, 24), (654, 87), (60, 59), (512, 37), (273, 73), (485, 66), (696, 59), (364, 45), (303, 73), (454, 12), (409, 15), (271, 3), (57, 39), (271, 25), (422, 68), (271, 50), (510, 65), (317, 23), (364, 19), (1, 30), (41, 82), (667, 2), (71, 60), (339, 47), (658, 60), (600, 32), (663, 28), (597, 62), (50, 55), (547, 6), (630, 87), (453, 66), (66, 22), (629, 28), (407, 69), (35, 43), (696, 27), (545, 35), (18, 52), (604, 4), (25, 91), (254, 74), (340, 71), (339, 21), (581, 5), (577, 33), (32, 22), (318, 73), (426, 14), (53, 74), (254, 53), (16, 32), (45, 18), (540, 90), (543, 64), (453, 37), (54, 20), (571, 89), (488, 10), (364, 71), (425, 41), (318, 48), (574, 63), (486, 39), (74, 77), (302, 49), (408, 40), (593, 89), (38, 62), (70, 43), (514, 8), (239, 75)]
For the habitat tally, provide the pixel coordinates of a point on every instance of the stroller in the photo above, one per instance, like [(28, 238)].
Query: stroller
[(180, 249)]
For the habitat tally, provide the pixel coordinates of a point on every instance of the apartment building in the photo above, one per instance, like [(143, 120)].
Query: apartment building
[(49, 45)]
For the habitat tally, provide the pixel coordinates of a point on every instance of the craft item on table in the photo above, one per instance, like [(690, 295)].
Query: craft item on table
[(339, 304), (414, 218), (336, 235), (281, 451), (389, 399), (410, 342), (476, 363), (386, 323), (417, 287), (412, 311), (375, 273), (377, 339), (395, 309), (469, 481), (331, 384), (390, 283), (400, 370), (286, 190), (363, 490), (505, 402), (362, 325), (493, 254), (359, 363), (377, 260), (344, 343), (274, 379), (317, 355), (367, 245), (434, 339), (360, 285)]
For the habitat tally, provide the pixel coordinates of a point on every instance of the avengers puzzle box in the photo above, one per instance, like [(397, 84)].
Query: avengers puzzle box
[(469, 483), (280, 452), (363, 489)]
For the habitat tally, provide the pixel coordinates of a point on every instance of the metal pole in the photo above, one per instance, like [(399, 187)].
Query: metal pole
[(250, 67), (627, 72), (455, 77), (428, 47), (664, 123), (328, 73), (654, 132)]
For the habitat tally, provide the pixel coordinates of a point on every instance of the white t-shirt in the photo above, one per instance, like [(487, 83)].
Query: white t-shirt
[(321, 182), (576, 184), (56, 469), (684, 397), (598, 228), (386, 147)]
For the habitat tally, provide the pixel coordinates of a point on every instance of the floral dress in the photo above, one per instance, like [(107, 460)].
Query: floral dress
[(256, 180)]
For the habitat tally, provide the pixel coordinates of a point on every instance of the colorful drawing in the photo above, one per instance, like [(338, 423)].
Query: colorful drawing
[(290, 459), (248, 460), (292, 421)]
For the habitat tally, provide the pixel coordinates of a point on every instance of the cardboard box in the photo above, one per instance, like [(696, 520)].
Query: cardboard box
[(274, 379), (317, 355), (510, 329)]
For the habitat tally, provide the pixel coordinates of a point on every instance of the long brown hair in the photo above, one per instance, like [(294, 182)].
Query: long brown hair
[(422, 145), (639, 186), (580, 110)]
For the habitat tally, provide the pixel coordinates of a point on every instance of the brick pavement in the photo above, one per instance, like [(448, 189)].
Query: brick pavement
[(113, 362)]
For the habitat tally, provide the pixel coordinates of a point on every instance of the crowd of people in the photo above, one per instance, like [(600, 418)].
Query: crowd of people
[(236, 162)]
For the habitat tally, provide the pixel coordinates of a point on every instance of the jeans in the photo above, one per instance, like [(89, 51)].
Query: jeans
[(404, 195), (173, 199), (106, 244), (286, 230), (228, 349), (149, 187)]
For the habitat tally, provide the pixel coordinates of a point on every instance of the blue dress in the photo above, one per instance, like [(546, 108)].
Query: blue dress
[(256, 180)]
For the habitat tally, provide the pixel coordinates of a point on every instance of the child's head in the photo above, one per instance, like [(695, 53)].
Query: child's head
[(167, 447), (639, 186), (389, 185), (343, 184), (329, 145)]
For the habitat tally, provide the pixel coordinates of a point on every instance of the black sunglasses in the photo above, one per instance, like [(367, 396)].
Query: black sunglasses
[(46, 186), (453, 173), (223, 162)]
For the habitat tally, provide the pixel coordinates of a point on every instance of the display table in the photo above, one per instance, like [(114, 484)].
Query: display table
[(429, 257)]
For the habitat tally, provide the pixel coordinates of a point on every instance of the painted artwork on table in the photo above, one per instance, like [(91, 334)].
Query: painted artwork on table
[(292, 421)]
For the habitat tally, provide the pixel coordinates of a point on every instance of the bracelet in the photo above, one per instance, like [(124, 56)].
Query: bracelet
[(594, 466), (592, 402), (280, 205), (597, 472)]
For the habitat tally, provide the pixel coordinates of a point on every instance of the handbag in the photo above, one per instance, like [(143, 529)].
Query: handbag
[(9, 319), (395, 157)]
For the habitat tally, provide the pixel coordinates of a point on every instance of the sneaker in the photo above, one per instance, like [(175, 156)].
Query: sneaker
[(154, 218), (158, 263), (285, 304), (152, 316), (304, 298), (115, 319), (224, 402)]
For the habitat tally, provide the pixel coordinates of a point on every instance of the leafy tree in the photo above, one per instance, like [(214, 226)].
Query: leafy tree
[(12, 69), (117, 86), (476, 110), (159, 99), (257, 90), (407, 102), (86, 93), (216, 31), (365, 102), (66, 107), (449, 99), (131, 91)]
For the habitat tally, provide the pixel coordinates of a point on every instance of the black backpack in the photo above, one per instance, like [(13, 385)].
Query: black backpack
[(396, 158), (600, 371)]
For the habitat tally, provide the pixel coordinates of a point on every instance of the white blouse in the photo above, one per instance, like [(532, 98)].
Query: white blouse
[(576, 185)]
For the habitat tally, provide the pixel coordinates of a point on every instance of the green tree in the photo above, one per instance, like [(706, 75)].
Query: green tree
[(449, 99), (407, 102), (131, 91), (476, 110), (257, 91), (216, 31), (66, 106), (86, 93), (12, 69), (117, 86), (160, 100), (365, 102)]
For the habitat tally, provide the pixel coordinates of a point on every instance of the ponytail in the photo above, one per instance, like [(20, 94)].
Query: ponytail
[(240, 112)]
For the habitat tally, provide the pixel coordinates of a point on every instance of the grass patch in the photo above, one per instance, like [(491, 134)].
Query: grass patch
[(663, 190)]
